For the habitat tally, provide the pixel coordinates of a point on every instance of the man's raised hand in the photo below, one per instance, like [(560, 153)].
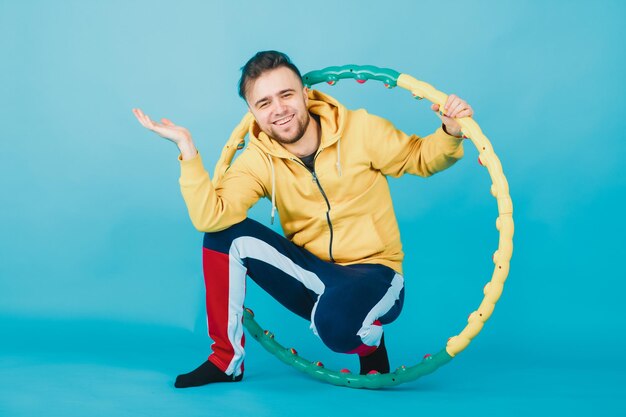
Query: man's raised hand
[(455, 108), (168, 130)]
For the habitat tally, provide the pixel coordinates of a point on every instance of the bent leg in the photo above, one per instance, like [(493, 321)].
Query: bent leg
[(350, 314), (281, 268)]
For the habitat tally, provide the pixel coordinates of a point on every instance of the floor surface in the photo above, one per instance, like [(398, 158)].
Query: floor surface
[(93, 368)]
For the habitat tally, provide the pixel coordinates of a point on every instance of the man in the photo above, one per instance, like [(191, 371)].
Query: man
[(324, 168)]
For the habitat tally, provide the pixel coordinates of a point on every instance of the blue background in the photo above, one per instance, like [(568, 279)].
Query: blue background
[(101, 294)]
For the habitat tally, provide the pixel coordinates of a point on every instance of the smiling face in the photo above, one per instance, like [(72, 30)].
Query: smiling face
[(278, 101)]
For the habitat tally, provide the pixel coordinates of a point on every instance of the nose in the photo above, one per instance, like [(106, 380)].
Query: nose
[(280, 106)]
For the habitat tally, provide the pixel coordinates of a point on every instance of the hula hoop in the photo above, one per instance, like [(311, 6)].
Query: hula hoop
[(501, 258)]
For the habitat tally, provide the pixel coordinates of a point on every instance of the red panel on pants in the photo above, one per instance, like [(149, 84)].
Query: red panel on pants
[(216, 280)]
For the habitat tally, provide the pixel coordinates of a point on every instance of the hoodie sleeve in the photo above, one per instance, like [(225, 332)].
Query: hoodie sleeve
[(214, 208), (394, 153)]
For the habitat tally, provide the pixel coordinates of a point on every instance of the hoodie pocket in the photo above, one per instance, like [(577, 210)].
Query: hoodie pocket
[(356, 239)]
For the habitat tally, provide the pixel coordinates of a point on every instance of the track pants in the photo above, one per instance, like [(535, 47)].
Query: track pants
[(346, 305)]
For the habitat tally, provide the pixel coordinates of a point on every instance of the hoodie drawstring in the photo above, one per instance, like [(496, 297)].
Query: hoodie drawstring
[(273, 189), (338, 164)]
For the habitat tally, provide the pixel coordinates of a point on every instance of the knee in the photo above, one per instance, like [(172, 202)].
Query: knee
[(337, 333)]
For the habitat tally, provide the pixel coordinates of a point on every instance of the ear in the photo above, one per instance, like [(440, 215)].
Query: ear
[(305, 90)]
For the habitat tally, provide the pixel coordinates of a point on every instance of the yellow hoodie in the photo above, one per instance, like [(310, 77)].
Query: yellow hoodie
[(343, 212)]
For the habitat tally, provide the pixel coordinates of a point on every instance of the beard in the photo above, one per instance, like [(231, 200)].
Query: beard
[(301, 126)]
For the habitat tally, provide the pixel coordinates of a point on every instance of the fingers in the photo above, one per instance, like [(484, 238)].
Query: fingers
[(451, 103), (151, 124), (143, 119), (444, 117), (167, 122), (456, 107), (148, 123), (467, 112)]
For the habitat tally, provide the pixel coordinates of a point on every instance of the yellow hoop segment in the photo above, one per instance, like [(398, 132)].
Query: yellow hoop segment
[(504, 222)]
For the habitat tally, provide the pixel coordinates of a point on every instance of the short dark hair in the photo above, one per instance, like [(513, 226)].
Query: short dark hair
[(261, 62)]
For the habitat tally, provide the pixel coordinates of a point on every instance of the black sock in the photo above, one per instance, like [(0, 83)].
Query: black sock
[(376, 361), (206, 373)]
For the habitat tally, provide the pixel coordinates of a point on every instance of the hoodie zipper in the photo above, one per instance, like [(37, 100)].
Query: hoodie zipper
[(330, 224)]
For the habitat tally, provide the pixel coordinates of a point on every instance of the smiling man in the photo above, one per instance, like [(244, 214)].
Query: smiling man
[(324, 168)]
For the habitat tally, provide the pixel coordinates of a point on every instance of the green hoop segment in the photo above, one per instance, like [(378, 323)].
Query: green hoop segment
[(360, 73), (290, 356), (501, 258)]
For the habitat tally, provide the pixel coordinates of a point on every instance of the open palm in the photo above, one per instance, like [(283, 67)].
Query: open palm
[(166, 128)]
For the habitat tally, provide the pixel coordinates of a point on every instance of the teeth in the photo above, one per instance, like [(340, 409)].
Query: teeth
[(284, 120)]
